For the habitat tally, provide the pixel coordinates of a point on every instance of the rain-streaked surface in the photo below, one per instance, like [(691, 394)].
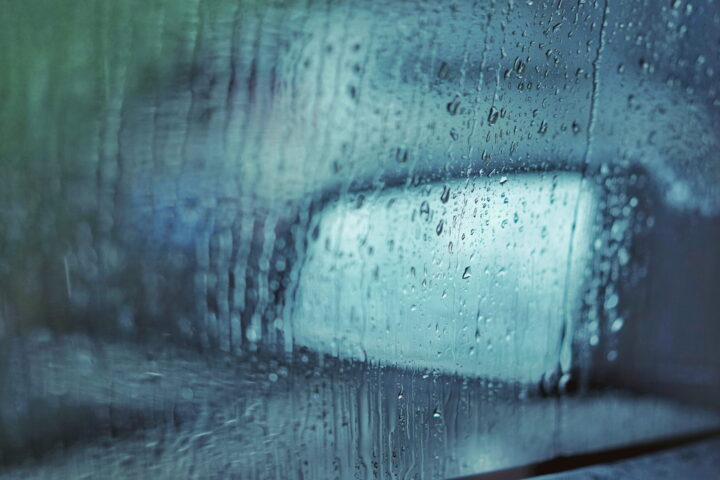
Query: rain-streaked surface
[(335, 239), (465, 277), (126, 412)]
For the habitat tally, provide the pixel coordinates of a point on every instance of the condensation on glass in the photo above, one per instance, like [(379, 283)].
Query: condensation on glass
[(334, 239)]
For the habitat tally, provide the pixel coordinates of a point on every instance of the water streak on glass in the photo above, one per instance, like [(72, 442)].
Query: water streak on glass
[(335, 239)]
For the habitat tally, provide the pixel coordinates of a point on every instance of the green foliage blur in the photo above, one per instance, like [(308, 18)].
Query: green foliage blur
[(69, 69)]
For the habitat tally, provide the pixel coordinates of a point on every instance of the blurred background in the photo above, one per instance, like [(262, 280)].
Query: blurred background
[(330, 239)]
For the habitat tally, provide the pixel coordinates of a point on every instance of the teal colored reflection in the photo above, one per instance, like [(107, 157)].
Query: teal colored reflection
[(473, 277)]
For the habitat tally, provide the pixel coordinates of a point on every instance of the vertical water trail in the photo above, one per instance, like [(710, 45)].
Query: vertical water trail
[(565, 352)]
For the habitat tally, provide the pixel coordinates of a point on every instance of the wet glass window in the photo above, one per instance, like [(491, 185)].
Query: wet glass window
[(355, 240)]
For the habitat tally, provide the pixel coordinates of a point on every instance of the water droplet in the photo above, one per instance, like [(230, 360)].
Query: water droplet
[(439, 227), (452, 107), (644, 65), (565, 384), (543, 127), (503, 180), (623, 256), (466, 273), (454, 134), (611, 302), (401, 155), (575, 128), (425, 210), (444, 71), (493, 115), (436, 413), (519, 66), (445, 195), (617, 324)]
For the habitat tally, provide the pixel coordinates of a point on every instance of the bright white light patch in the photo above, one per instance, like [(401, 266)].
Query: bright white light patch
[(471, 277)]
